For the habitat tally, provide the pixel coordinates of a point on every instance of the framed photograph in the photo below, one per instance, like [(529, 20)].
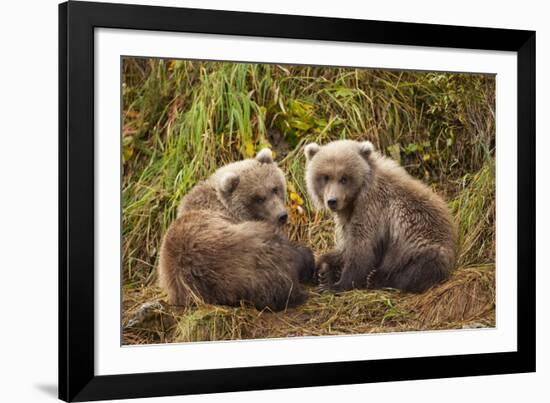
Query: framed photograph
[(258, 201)]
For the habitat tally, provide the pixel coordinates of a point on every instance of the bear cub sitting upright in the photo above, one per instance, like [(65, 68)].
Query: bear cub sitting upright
[(225, 247), (391, 229)]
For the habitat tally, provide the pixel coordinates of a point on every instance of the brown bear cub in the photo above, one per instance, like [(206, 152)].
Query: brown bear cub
[(225, 247), (391, 229)]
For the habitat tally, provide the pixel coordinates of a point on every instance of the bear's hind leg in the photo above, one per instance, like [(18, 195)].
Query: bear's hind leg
[(419, 274)]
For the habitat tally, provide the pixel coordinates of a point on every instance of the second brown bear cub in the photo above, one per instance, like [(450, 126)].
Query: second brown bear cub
[(225, 246), (391, 229)]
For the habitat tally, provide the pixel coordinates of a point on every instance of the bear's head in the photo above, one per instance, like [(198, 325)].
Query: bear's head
[(337, 171), (253, 189)]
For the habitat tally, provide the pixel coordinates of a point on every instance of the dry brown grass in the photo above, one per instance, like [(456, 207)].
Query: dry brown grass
[(466, 300)]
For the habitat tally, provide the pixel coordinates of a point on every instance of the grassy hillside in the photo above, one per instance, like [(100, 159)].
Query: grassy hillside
[(182, 120)]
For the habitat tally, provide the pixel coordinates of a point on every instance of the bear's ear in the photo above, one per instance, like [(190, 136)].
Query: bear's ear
[(264, 156), (229, 182), (310, 150), (365, 149)]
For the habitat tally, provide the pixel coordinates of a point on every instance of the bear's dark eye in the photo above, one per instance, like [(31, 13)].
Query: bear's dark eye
[(275, 190), (259, 199), (344, 180), (323, 178)]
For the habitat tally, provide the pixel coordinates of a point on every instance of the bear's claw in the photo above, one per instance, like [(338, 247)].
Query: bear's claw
[(324, 276), (370, 278)]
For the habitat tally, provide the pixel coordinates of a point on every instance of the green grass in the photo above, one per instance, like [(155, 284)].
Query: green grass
[(182, 120)]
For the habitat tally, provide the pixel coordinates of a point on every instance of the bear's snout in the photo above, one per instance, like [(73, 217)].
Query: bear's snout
[(332, 203), (282, 218)]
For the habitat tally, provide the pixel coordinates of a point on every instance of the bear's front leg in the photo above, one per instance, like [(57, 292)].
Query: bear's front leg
[(355, 272), (326, 277), (328, 267)]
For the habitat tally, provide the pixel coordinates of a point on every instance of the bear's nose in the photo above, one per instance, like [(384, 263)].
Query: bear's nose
[(282, 218), (332, 203)]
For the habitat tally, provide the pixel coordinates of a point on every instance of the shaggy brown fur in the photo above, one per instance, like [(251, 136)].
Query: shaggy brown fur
[(391, 229), (207, 257), (225, 246)]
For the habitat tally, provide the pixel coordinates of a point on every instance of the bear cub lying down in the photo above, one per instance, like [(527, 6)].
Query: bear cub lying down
[(225, 247), (391, 229)]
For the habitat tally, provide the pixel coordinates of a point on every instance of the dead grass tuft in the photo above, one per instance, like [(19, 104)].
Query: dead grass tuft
[(468, 296), (466, 300)]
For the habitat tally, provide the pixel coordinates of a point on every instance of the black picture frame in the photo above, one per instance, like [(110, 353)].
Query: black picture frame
[(77, 21)]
